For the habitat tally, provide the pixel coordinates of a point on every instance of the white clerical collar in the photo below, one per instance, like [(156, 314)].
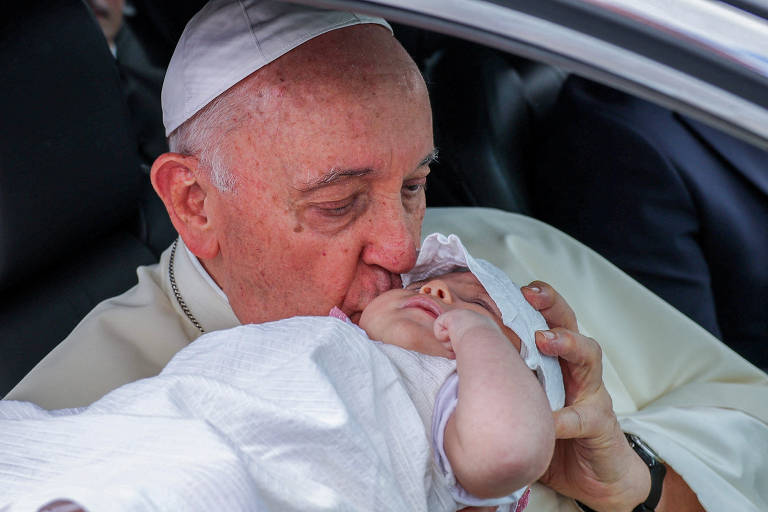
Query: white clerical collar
[(203, 273)]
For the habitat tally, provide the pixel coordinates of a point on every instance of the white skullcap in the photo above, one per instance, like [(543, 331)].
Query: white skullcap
[(440, 254), (230, 39)]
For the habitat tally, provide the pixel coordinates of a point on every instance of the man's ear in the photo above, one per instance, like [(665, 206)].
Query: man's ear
[(175, 178)]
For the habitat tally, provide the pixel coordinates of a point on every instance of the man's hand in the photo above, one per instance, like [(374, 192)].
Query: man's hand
[(593, 461)]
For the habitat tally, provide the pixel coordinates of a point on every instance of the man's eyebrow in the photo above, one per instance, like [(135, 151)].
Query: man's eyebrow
[(329, 178), (335, 175), (431, 157)]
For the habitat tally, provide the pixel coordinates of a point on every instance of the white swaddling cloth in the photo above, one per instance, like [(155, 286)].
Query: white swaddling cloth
[(301, 414)]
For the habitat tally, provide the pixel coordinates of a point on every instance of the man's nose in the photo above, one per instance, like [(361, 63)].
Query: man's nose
[(438, 289), (392, 240)]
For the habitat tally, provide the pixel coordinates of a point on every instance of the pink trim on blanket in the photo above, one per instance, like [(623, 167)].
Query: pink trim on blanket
[(523, 502), (337, 313)]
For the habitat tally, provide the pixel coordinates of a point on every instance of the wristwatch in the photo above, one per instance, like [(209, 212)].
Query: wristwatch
[(657, 469)]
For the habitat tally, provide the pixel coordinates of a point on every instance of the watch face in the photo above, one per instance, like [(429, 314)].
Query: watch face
[(636, 441)]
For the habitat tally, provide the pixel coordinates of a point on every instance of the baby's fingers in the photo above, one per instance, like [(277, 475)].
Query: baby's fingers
[(440, 328)]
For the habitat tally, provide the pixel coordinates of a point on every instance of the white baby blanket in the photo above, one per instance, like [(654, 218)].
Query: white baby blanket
[(303, 414)]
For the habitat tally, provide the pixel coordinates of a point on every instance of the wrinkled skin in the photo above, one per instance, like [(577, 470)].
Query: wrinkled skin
[(282, 244)]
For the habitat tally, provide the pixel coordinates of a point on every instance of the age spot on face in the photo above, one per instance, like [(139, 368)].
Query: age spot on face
[(298, 228)]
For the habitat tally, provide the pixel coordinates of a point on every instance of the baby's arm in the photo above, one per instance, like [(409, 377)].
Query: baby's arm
[(501, 436)]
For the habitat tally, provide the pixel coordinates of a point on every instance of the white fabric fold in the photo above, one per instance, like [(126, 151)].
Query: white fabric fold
[(302, 414), (706, 461)]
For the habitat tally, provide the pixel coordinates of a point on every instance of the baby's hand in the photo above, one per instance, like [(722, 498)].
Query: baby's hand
[(451, 327)]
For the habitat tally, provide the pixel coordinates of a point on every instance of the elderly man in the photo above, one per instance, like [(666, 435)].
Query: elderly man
[(300, 148)]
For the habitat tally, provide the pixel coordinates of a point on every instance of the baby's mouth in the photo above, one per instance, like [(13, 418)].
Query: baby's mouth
[(424, 303)]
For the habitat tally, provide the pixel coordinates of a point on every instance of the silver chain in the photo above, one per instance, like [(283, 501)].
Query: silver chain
[(182, 304)]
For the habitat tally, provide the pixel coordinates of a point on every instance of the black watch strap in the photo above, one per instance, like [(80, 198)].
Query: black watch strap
[(655, 466)]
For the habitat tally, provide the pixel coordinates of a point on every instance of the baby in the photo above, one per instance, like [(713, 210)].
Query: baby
[(498, 437)]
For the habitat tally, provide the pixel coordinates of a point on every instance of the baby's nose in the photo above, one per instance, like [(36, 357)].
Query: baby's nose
[(439, 289)]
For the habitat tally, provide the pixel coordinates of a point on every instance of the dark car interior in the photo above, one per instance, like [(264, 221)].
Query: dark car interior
[(77, 211)]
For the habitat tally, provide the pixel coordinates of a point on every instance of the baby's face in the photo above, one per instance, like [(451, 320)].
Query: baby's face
[(405, 317)]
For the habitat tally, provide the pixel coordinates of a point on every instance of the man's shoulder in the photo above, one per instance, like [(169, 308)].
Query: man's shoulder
[(124, 338)]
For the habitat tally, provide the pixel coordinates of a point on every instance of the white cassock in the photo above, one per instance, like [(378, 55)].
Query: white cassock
[(701, 407)]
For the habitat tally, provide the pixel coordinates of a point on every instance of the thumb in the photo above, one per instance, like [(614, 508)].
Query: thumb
[(569, 422)]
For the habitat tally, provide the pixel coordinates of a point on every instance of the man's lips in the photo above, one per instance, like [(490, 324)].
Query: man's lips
[(425, 303), (360, 296)]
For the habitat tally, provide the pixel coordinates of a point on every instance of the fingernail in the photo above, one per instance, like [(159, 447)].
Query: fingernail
[(534, 289), (550, 335)]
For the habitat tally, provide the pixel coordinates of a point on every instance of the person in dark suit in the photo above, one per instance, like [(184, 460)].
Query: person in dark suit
[(142, 83), (680, 206), (140, 79)]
